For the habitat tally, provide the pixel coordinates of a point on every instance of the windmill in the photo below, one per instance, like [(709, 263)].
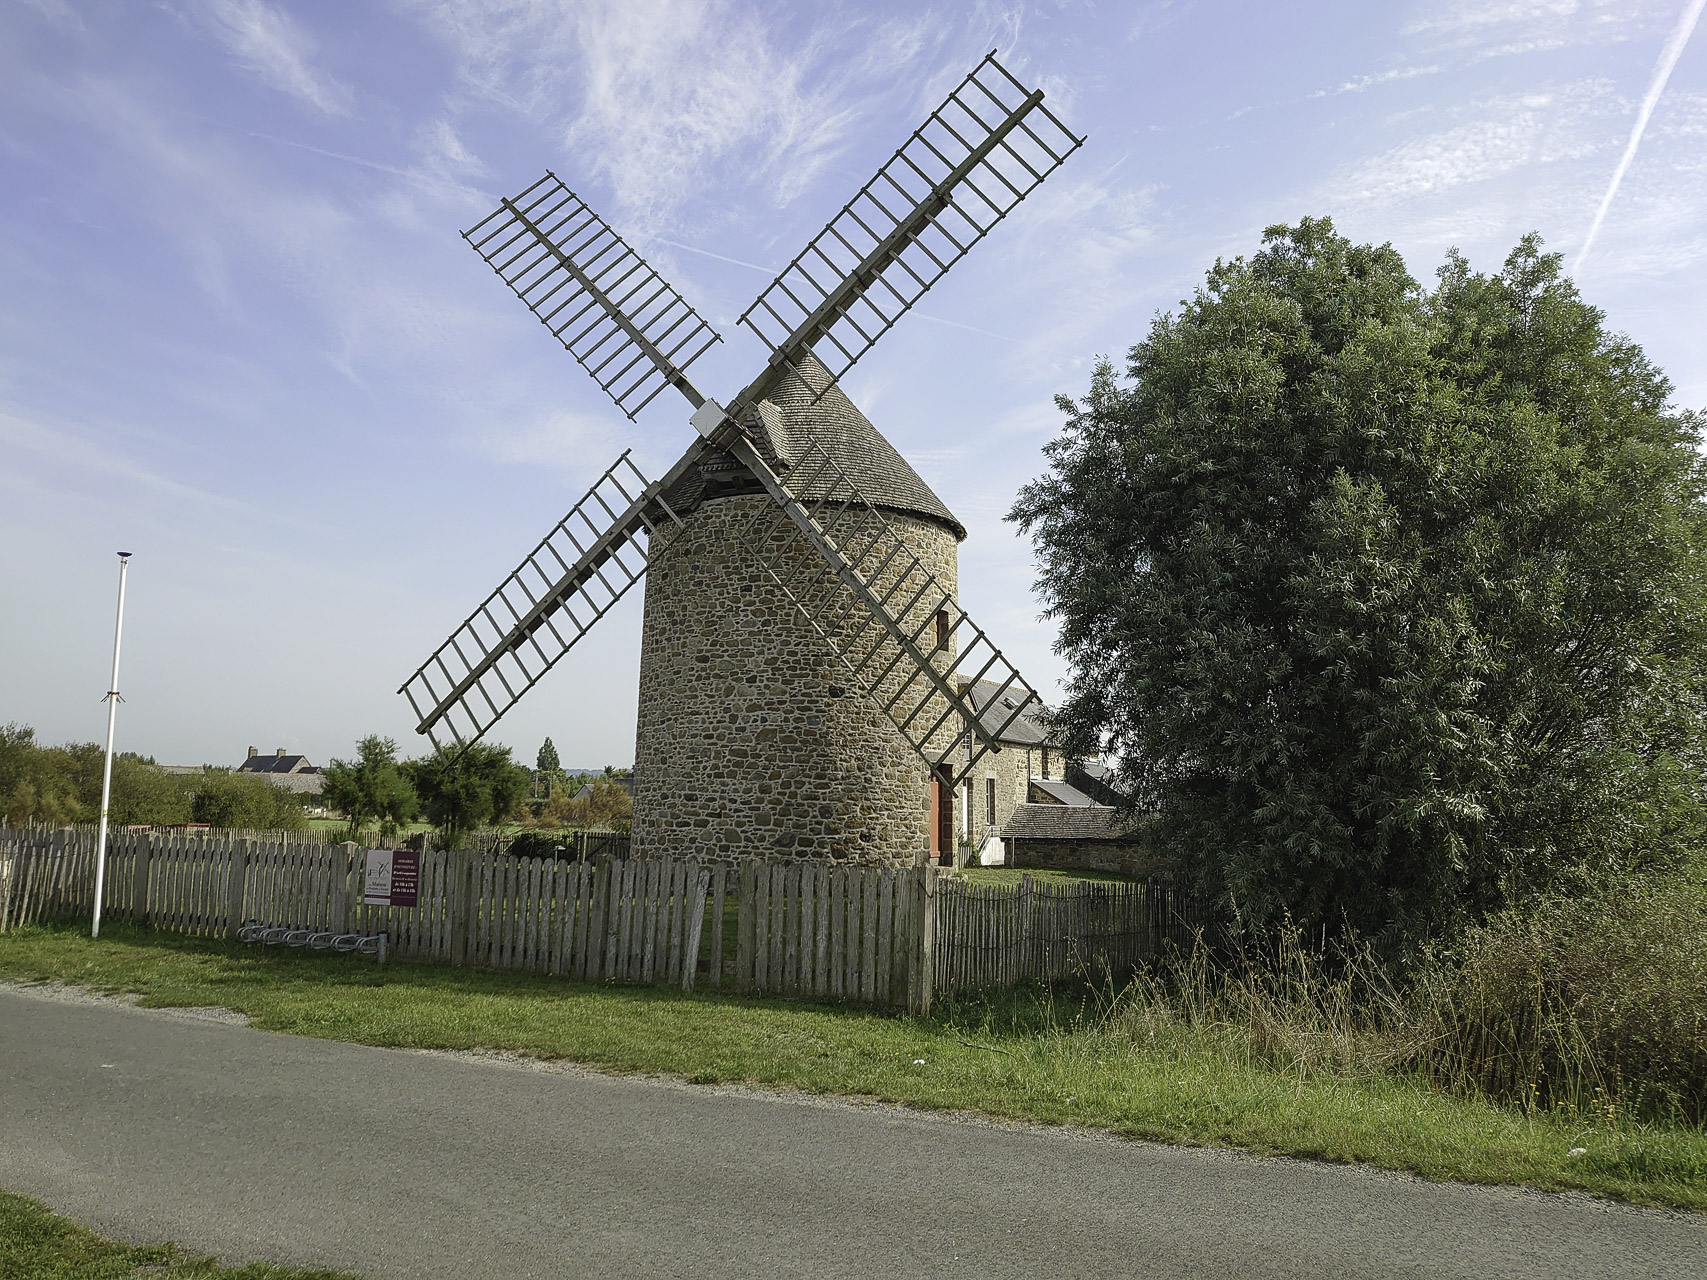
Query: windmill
[(808, 682)]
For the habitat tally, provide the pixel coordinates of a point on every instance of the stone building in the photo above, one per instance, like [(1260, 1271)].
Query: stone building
[(750, 739), (287, 772), (1029, 770)]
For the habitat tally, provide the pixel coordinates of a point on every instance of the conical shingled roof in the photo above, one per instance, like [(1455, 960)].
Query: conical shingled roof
[(857, 447), (788, 420)]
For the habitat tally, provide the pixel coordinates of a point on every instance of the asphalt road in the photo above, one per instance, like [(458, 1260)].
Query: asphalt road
[(251, 1145)]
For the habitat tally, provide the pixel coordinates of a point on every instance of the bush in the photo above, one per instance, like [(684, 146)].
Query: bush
[(221, 798), (1596, 1002)]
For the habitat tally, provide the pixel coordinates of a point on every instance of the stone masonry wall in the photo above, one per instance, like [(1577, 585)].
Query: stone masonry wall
[(752, 739), (1009, 770)]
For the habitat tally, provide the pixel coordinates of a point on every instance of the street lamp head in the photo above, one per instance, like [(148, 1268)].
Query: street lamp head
[(124, 555)]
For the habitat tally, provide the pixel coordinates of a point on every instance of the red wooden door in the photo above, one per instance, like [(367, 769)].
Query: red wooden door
[(942, 819)]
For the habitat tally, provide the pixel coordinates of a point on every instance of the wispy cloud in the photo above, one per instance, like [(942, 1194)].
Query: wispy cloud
[(578, 444), (663, 99), (1478, 30), (1472, 21), (1662, 72), (58, 12), (61, 445), (1360, 83), (270, 43), (1157, 15), (1504, 135)]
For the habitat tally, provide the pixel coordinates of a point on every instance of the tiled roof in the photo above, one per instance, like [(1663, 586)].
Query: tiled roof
[(789, 419), (1061, 791), (1096, 780), (276, 764), (1066, 822), (309, 784), (626, 782), (1029, 729)]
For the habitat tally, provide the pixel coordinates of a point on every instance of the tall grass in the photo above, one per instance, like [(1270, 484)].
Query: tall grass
[(1595, 1005), (1275, 1004)]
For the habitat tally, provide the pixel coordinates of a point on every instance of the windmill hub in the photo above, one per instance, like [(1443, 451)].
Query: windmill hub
[(791, 555)]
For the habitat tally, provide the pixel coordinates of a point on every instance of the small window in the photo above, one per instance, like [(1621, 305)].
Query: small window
[(990, 801), (1046, 762), (942, 629)]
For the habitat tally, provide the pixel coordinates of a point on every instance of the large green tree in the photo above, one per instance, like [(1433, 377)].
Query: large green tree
[(1388, 601), (460, 793), (371, 788)]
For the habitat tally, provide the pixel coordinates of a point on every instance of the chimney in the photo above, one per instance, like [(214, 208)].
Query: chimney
[(279, 752), (253, 753)]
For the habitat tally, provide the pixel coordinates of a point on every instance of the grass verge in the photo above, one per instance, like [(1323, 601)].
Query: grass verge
[(40, 1244), (1030, 1055)]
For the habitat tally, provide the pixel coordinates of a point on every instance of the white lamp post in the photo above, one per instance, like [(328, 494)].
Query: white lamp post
[(112, 700)]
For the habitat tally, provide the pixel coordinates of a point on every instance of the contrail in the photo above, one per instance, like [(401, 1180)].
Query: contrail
[(1662, 72)]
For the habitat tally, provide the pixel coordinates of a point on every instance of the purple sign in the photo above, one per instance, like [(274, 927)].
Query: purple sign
[(405, 877), (392, 878)]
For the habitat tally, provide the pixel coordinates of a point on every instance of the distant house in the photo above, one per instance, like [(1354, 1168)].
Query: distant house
[(286, 772)]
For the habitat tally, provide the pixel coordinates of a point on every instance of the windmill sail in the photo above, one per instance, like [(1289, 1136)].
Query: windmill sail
[(896, 631), (973, 160), (568, 582), (626, 325)]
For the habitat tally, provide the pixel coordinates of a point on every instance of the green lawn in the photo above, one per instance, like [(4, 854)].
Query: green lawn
[(1031, 1056), (338, 824), (38, 1244), (1042, 875)]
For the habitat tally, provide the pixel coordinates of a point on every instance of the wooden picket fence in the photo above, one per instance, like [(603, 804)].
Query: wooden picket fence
[(999, 935), (836, 932), (886, 936)]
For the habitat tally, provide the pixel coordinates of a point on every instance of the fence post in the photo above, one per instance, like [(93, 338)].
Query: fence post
[(1026, 964), (714, 956), (746, 910), (456, 908), (235, 881), (924, 980), (139, 878), (351, 894)]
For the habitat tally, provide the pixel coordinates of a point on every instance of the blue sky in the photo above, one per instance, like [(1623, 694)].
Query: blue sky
[(241, 337)]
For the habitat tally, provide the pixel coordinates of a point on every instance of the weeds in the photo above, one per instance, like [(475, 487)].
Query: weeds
[(1595, 1005), (1592, 1008)]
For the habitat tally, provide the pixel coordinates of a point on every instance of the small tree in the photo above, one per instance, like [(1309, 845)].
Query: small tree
[(37, 784), (371, 788), (144, 794), (548, 774), (459, 794)]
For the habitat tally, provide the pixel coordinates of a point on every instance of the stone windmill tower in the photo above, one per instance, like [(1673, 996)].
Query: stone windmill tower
[(808, 682)]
